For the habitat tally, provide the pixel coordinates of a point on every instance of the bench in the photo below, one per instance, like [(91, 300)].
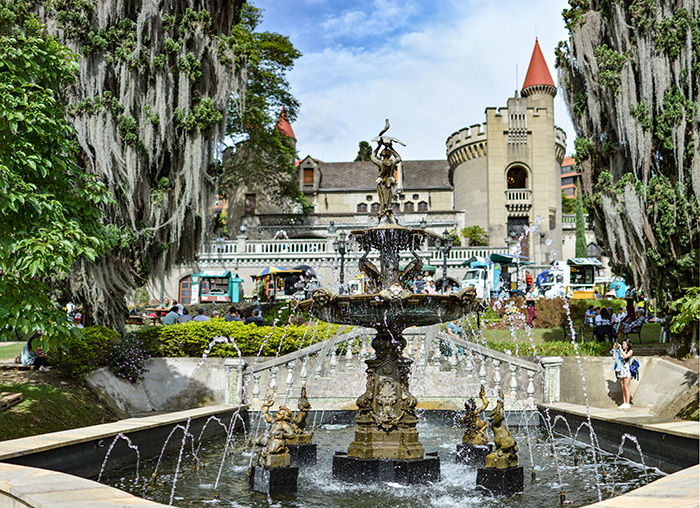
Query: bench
[(580, 330), (637, 330)]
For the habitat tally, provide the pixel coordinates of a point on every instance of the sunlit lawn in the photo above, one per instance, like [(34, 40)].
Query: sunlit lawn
[(8, 351), (650, 334)]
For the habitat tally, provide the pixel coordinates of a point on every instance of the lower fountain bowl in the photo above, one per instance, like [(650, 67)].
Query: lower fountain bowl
[(406, 472)]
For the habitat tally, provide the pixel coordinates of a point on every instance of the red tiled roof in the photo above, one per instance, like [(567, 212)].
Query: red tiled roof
[(537, 72), (283, 124)]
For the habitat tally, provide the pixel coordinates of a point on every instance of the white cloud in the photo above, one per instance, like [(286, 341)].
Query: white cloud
[(384, 16), (429, 80)]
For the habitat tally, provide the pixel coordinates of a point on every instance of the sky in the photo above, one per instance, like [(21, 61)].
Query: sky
[(430, 67)]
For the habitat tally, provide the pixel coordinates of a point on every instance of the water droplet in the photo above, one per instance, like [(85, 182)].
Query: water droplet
[(548, 241)]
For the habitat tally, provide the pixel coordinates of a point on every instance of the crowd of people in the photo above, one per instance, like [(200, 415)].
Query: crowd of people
[(179, 314), (608, 325)]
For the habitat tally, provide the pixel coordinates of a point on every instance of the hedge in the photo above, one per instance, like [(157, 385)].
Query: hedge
[(193, 338), (555, 348), (80, 354)]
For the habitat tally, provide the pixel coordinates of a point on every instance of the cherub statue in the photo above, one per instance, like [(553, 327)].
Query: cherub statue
[(388, 171), (275, 452), (299, 421), (475, 431), (505, 456)]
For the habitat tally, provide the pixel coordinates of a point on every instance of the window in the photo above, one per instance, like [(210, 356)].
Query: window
[(517, 178), (362, 208), (422, 206), (368, 197), (593, 251), (415, 196), (408, 206), (396, 207), (570, 191), (249, 204), (567, 180), (375, 207), (308, 176)]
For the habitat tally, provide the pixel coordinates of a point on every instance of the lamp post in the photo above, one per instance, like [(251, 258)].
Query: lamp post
[(445, 247), (339, 244)]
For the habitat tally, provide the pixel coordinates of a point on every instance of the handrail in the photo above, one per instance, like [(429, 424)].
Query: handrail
[(485, 351)]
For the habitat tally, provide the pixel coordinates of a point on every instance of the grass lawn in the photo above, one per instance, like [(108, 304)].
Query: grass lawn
[(50, 404), (650, 334), (10, 351)]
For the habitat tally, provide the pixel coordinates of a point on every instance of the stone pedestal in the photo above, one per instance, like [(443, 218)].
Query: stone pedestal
[(500, 482), (274, 480), (407, 472), (473, 455), (302, 454)]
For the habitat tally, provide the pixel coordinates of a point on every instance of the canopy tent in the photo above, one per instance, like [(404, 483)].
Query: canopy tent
[(510, 259), (306, 270), (426, 267), (275, 270), (584, 262)]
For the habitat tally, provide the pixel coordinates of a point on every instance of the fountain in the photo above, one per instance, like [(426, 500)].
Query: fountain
[(386, 445)]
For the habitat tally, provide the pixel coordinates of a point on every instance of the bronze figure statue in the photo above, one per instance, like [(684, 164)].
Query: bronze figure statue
[(505, 456), (475, 431), (275, 452), (299, 421), (388, 172)]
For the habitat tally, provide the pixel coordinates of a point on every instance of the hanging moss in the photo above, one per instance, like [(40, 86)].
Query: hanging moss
[(575, 14), (610, 64), (640, 113)]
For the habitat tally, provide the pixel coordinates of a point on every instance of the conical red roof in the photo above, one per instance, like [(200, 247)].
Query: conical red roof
[(283, 124), (538, 73)]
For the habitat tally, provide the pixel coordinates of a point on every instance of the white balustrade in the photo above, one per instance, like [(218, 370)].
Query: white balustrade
[(348, 356), (256, 385), (513, 380), (273, 379), (290, 376), (303, 373)]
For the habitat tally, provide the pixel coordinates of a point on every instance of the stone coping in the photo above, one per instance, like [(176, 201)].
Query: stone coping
[(44, 442), (679, 490), (22, 486), (640, 419)]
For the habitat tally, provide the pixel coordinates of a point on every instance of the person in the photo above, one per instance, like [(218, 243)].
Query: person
[(185, 318), (419, 284), (531, 313), (201, 316), (180, 308), (171, 317), (77, 320), (256, 302), (430, 288), (528, 282), (256, 318), (627, 326), (233, 315), (603, 326), (271, 290), (454, 330), (622, 355), (589, 318), (215, 314), (32, 356)]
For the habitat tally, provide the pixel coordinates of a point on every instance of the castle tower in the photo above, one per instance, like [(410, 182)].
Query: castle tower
[(506, 172), (285, 127)]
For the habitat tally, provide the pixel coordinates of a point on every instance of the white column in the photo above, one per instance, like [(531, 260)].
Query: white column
[(234, 376), (552, 378)]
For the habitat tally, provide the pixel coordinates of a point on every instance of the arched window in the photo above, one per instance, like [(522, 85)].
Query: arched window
[(517, 178), (185, 292), (375, 207), (422, 206), (396, 207), (362, 208), (593, 251), (408, 206)]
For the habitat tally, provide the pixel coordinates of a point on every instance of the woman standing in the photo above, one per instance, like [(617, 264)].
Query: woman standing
[(623, 357)]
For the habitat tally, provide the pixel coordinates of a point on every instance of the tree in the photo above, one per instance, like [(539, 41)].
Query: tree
[(149, 110), (475, 235), (629, 72), (581, 246), (364, 152), (264, 157), (568, 205), (50, 208)]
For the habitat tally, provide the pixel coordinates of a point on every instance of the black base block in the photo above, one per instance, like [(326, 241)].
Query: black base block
[(352, 469), (500, 482), (275, 480), (473, 455), (303, 455)]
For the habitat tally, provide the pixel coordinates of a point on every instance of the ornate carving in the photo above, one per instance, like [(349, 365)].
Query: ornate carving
[(284, 430), (506, 453), (475, 427)]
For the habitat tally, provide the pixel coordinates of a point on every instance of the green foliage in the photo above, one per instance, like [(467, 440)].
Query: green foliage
[(204, 116), (266, 158), (581, 245), (475, 235), (688, 310), (193, 338), (170, 46), (128, 130), (610, 64), (192, 20), (675, 108), (643, 13), (575, 14), (191, 66), (641, 114), (50, 209), (568, 205), (364, 152), (562, 348), (672, 32), (583, 147), (85, 351)]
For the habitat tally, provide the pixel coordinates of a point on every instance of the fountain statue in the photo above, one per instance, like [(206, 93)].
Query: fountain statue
[(301, 449), (386, 419), (475, 446), (501, 475)]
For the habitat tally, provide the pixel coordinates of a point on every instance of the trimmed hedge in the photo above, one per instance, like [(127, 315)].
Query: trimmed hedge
[(193, 338), (559, 348), (80, 354)]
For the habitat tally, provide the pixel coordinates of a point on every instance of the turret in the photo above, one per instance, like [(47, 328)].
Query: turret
[(538, 79)]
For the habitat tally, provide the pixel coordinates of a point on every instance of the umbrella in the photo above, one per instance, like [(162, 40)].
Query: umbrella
[(271, 270), (306, 270)]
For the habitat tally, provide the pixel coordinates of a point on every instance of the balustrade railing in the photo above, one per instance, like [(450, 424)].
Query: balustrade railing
[(333, 371)]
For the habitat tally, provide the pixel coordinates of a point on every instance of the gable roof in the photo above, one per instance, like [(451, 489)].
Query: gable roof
[(430, 174), (283, 124)]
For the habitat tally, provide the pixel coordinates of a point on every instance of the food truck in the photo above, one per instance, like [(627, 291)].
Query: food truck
[(215, 286)]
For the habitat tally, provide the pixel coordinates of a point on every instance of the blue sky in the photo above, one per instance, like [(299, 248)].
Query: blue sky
[(432, 68)]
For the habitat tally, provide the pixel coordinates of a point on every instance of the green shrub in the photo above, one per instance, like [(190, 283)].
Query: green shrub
[(193, 338), (560, 348), (79, 355)]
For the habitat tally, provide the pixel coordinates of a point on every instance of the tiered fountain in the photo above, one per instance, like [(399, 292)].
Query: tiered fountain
[(386, 445)]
